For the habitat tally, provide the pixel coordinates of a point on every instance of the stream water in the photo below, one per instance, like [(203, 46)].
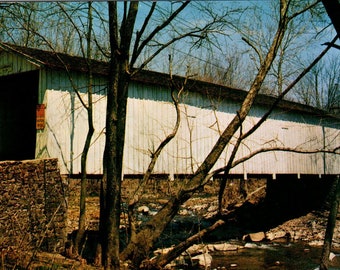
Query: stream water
[(290, 256)]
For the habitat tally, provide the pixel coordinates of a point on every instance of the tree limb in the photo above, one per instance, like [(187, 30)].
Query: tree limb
[(157, 30), (141, 32), (289, 87), (255, 49), (163, 259), (282, 149)]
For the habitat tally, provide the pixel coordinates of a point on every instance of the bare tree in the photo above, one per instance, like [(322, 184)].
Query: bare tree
[(320, 87), (137, 249), (125, 52), (87, 144)]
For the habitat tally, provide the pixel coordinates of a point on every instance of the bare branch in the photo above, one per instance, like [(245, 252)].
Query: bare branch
[(200, 176), (141, 32), (164, 259), (165, 45), (74, 26), (154, 156), (312, 5), (283, 149), (255, 49), (157, 30), (271, 149), (289, 87)]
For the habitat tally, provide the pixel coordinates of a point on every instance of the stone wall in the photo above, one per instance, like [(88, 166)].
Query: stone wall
[(33, 205)]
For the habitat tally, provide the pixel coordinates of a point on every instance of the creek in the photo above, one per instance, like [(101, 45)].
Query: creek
[(276, 255)]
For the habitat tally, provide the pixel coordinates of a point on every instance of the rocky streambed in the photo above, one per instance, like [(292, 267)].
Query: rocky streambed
[(294, 244), (256, 228)]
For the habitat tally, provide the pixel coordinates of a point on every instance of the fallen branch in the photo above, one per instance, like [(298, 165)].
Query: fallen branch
[(163, 259)]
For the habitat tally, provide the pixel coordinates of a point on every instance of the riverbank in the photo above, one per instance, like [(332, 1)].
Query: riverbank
[(245, 215)]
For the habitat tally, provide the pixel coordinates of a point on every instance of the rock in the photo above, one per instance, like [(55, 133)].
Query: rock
[(271, 235), (250, 245), (199, 207), (143, 209), (153, 213), (210, 214), (212, 208), (255, 237), (197, 248), (316, 243), (332, 256), (225, 247), (183, 212), (204, 260)]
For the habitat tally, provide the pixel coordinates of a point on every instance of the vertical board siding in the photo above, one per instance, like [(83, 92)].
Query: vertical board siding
[(66, 120), (151, 116), (66, 129), (332, 162), (12, 64)]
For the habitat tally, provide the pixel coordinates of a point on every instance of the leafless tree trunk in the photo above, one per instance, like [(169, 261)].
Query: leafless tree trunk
[(332, 7), (176, 92), (231, 163), (89, 109), (115, 129), (330, 224), (119, 77)]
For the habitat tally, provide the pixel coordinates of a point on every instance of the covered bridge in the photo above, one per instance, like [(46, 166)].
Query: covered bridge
[(41, 116)]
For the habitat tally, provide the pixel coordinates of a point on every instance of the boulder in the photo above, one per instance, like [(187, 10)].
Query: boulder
[(203, 260), (225, 247), (271, 235), (255, 237), (143, 209), (197, 248)]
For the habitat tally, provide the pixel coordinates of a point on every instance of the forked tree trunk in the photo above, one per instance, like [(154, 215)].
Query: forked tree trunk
[(139, 249)]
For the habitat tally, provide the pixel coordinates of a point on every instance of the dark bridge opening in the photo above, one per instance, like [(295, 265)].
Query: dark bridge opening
[(285, 198), (289, 197), (18, 100)]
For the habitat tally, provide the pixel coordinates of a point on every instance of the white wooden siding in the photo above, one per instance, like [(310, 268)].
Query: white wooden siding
[(66, 129), (149, 121)]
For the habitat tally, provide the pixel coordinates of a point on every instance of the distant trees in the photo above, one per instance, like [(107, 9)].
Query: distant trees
[(320, 88)]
